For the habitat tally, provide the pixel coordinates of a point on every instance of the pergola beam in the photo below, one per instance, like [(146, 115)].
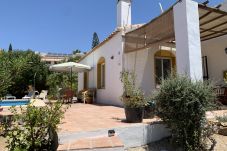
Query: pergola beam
[(212, 24), (213, 19), (217, 32), (215, 10), (216, 26), (162, 41), (213, 37), (205, 15), (213, 31)]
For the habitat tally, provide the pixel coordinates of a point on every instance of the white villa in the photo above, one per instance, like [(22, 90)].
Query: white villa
[(189, 38)]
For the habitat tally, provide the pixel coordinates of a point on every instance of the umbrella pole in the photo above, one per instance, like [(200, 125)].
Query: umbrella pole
[(71, 83), (71, 79)]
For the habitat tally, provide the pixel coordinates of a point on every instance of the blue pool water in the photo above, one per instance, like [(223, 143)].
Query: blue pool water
[(13, 102)]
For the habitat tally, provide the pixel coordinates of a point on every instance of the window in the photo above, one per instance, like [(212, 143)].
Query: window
[(103, 75), (165, 64), (86, 78), (205, 68), (101, 72), (163, 69)]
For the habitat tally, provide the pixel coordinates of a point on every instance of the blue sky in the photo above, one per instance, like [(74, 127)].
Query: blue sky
[(66, 25)]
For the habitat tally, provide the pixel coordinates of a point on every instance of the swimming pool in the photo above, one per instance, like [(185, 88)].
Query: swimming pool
[(13, 102)]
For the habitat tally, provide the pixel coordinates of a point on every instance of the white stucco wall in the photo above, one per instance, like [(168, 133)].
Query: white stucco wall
[(142, 62), (216, 57), (113, 87)]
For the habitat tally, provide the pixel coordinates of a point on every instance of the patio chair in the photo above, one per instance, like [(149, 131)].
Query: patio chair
[(43, 95), (10, 97), (68, 96), (89, 96)]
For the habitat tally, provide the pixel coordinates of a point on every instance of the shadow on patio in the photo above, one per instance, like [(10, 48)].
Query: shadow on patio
[(87, 117)]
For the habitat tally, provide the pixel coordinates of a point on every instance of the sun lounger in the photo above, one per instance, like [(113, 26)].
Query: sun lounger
[(31, 95), (10, 97), (43, 95)]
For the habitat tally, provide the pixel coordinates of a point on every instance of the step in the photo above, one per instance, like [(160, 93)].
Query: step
[(102, 143)]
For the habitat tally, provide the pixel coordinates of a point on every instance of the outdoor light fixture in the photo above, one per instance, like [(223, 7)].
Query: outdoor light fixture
[(111, 133), (226, 50)]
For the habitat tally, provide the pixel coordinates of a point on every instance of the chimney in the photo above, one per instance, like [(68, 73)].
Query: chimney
[(123, 13), (224, 6)]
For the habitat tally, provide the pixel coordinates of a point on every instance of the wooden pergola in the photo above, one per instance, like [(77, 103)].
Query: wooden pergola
[(213, 24)]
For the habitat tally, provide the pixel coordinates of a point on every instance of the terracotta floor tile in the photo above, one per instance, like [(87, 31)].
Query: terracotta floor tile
[(81, 144), (86, 117), (116, 141), (103, 142)]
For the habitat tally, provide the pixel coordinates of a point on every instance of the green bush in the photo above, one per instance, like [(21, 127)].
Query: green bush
[(132, 97), (222, 118), (34, 128), (182, 105), (5, 78), (18, 70)]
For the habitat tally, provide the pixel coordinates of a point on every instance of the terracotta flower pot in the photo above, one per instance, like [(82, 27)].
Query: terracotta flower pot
[(89, 100)]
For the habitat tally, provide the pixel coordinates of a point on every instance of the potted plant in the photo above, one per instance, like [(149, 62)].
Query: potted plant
[(132, 98), (89, 96), (149, 110)]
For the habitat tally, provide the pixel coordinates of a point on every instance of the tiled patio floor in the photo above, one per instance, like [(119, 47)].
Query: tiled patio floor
[(89, 117), (86, 117)]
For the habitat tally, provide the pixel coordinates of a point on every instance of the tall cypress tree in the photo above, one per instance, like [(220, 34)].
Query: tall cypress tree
[(95, 40), (10, 47)]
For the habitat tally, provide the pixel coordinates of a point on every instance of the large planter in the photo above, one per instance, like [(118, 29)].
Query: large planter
[(149, 112), (134, 115), (89, 100)]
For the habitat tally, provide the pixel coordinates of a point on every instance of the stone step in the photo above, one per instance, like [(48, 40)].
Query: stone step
[(102, 143)]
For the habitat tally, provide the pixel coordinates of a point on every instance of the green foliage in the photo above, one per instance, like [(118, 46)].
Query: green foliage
[(95, 40), (182, 104), (10, 48), (222, 118), (21, 67), (35, 128), (74, 59), (55, 81), (76, 51), (62, 80), (5, 78), (132, 95)]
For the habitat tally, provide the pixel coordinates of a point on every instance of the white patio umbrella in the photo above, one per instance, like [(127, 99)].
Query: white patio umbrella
[(69, 67)]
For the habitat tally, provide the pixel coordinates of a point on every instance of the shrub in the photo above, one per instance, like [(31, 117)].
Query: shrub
[(182, 105), (34, 128), (149, 110), (222, 118), (132, 97)]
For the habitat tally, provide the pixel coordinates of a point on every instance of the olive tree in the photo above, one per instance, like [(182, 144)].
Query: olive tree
[(182, 105)]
